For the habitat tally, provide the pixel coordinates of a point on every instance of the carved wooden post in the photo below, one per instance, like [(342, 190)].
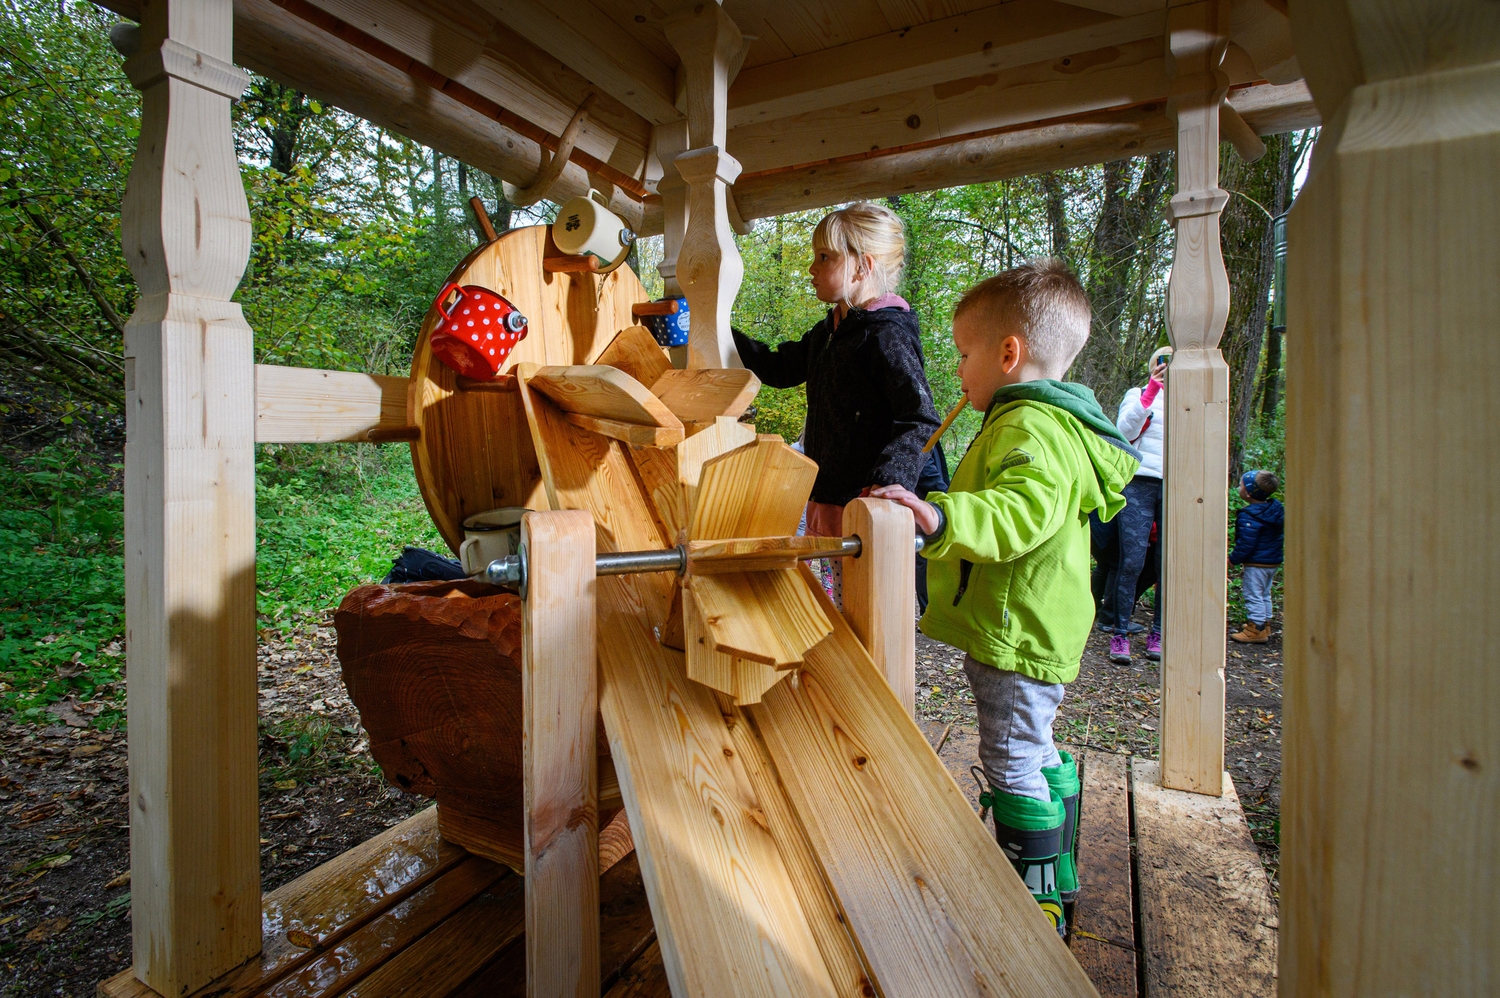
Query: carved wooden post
[(189, 511), (560, 691), (670, 141), (1197, 436), (709, 268), (1390, 857), (880, 591)]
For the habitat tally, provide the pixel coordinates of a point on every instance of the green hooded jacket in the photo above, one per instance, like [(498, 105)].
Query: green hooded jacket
[(1008, 573)]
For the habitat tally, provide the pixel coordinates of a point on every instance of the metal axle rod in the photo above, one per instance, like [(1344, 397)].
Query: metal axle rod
[(511, 570)]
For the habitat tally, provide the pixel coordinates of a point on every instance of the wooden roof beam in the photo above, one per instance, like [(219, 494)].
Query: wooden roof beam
[(1017, 151), (414, 101), (953, 48), (587, 41), (1116, 76)]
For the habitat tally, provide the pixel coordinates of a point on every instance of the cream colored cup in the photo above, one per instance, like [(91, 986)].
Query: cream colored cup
[(586, 227), (492, 534)]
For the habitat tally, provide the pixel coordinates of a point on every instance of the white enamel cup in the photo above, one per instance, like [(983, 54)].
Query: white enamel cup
[(492, 534), (586, 227)]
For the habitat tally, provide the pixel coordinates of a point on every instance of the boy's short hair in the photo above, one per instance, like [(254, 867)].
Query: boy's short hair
[(1044, 301), (1266, 483)]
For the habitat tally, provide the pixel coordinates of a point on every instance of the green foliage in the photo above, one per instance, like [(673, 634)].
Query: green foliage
[(68, 123), (329, 518), (61, 594), (296, 747)]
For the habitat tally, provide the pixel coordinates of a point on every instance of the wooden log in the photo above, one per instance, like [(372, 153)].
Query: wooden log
[(670, 306), (1196, 462), (1016, 150), (1390, 864), (1102, 936), (570, 264), (1208, 924), (435, 669), (880, 591), (451, 92), (190, 511), (561, 694), (301, 405)]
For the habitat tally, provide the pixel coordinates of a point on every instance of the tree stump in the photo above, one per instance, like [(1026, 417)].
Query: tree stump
[(435, 671)]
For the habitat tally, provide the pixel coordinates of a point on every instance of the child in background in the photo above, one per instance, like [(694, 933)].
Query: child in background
[(869, 409), (1008, 547), (1258, 530)]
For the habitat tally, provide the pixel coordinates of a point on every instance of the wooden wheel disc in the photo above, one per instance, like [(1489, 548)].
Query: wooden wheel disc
[(475, 451)]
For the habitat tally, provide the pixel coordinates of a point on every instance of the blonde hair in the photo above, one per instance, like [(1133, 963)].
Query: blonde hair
[(1040, 301), (866, 228)]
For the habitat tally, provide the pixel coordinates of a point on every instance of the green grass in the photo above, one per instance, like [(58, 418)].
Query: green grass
[(327, 519)]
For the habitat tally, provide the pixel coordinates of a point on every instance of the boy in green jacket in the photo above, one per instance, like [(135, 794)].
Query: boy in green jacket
[(1008, 552)]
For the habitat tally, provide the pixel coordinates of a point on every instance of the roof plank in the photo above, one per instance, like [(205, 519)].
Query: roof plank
[(954, 48), (587, 41), (1034, 147)]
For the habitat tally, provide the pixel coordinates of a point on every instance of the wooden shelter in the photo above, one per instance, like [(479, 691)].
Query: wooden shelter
[(696, 117)]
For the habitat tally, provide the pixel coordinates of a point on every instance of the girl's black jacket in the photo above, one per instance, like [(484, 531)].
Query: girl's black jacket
[(869, 410)]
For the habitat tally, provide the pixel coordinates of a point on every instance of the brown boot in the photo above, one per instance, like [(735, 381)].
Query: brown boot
[(1253, 633)]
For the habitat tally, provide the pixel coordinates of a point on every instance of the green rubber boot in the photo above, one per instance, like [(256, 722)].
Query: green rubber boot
[(1063, 780), (1030, 834)]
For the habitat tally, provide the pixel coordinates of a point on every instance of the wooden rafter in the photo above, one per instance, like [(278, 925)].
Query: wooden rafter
[(953, 48), (995, 154)]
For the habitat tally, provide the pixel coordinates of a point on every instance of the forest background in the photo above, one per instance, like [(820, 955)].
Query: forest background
[(355, 229)]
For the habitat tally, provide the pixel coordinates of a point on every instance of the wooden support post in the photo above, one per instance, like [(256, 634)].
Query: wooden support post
[(709, 268), (189, 511), (880, 591), (1390, 857), (560, 691), (1197, 442)]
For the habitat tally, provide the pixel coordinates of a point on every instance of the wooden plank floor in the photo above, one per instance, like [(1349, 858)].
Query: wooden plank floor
[(1208, 922), (408, 914), (1103, 931)]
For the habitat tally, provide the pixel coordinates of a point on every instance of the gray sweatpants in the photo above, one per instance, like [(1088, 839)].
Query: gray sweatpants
[(1015, 728)]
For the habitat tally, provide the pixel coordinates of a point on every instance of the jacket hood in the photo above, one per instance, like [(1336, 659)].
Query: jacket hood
[(1269, 512), (1115, 462)]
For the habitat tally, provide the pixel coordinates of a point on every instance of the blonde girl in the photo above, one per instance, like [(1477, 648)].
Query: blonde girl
[(869, 409)]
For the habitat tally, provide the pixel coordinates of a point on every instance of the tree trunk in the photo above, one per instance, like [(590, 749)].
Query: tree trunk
[(1260, 191), (1270, 396)]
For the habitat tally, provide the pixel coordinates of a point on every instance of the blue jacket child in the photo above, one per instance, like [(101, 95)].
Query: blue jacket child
[(1258, 530)]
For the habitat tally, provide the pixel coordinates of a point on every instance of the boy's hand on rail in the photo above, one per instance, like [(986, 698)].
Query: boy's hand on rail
[(924, 513)]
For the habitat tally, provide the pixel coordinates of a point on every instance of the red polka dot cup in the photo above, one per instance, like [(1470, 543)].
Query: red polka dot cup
[(477, 332)]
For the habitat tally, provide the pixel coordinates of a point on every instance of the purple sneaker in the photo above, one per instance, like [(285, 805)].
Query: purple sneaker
[(1153, 646), (1119, 649)]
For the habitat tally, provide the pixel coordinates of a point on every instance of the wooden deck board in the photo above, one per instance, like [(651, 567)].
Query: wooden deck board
[(327, 904), (1208, 923), (1103, 935), (625, 932), (440, 962)]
